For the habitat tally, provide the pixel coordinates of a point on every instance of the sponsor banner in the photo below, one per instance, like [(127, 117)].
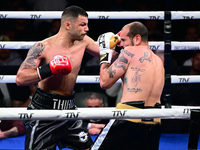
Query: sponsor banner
[(7, 78), (185, 46), (97, 113), (185, 15), (175, 79), (30, 14), (158, 15), (16, 45), (153, 45), (178, 79), (157, 46)]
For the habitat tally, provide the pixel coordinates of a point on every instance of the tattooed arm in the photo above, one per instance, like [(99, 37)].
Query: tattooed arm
[(109, 74), (27, 73)]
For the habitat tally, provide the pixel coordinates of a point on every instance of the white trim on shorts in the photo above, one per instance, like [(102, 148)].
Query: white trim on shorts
[(102, 135), (32, 134)]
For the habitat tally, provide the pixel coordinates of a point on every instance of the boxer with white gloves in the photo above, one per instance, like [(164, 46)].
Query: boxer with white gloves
[(107, 43)]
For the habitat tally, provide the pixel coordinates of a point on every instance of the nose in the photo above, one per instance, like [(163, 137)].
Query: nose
[(86, 28), (120, 44)]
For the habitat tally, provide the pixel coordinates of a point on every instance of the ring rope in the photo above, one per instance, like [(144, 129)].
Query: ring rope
[(175, 79), (153, 45), (92, 113), (157, 15)]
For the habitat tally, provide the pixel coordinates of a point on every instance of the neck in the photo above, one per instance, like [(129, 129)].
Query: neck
[(63, 40)]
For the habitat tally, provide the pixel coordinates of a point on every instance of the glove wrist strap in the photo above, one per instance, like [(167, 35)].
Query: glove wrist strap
[(106, 56), (44, 71)]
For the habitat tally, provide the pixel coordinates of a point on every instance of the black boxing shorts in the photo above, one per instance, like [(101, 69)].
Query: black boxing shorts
[(47, 134), (129, 134)]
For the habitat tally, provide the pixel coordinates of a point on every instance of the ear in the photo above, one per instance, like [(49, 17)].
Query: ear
[(137, 40), (67, 25)]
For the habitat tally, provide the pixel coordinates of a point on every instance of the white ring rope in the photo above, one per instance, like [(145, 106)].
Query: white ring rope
[(95, 113), (157, 15), (175, 79), (153, 45)]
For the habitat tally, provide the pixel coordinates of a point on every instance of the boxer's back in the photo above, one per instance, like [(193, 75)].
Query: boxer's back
[(144, 78)]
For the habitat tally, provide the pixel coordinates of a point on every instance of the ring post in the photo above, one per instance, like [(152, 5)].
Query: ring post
[(194, 129), (167, 59)]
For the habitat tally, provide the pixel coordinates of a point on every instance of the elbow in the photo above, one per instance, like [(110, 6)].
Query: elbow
[(104, 85), (19, 81)]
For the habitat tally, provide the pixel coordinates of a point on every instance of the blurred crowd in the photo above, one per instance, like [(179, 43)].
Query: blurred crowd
[(185, 62)]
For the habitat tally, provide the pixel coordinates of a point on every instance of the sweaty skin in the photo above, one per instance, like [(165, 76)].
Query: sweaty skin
[(70, 41), (141, 71)]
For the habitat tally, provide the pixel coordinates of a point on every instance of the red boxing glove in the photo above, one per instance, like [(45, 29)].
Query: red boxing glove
[(59, 64), (118, 44)]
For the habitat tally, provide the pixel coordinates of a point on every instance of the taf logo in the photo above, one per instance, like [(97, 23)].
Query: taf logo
[(188, 17), (35, 16), (72, 115), (2, 16), (25, 115), (154, 47), (97, 79), (119, 113), (2, 46), (103, 17), (1, 77), (186, 111), (184, 80), (154, 17)]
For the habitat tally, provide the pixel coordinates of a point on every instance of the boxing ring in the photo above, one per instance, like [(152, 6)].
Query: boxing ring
[(167, 111)]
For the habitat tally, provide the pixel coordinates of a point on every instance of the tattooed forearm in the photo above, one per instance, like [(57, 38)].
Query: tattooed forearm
[(121, 62), (111, 72), (106, 66), (34, 52), (120, 66), (128, 53), (145, 57)]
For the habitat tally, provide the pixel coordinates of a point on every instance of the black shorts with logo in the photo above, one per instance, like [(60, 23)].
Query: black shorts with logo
[(46, 134), (135, 134)]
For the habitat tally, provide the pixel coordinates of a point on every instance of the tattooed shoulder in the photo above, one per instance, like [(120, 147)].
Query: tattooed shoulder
[(34, 52), (128, 53)]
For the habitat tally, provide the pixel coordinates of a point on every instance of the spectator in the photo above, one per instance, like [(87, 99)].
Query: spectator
[(115, 91), (45, 30), (192, 34), (194, 87), (11, 128), (9, 57), (12, 95), (32, 88), (94, 126)]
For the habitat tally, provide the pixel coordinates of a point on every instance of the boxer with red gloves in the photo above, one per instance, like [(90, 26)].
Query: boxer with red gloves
[(54, 64), (59, 64)]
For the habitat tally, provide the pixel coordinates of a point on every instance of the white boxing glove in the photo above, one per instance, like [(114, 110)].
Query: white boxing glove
[(107, 43)]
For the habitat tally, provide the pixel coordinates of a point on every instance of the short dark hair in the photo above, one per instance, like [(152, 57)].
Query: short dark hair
[(138, 28), (95, 96), (195, 52), (74, 11)]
